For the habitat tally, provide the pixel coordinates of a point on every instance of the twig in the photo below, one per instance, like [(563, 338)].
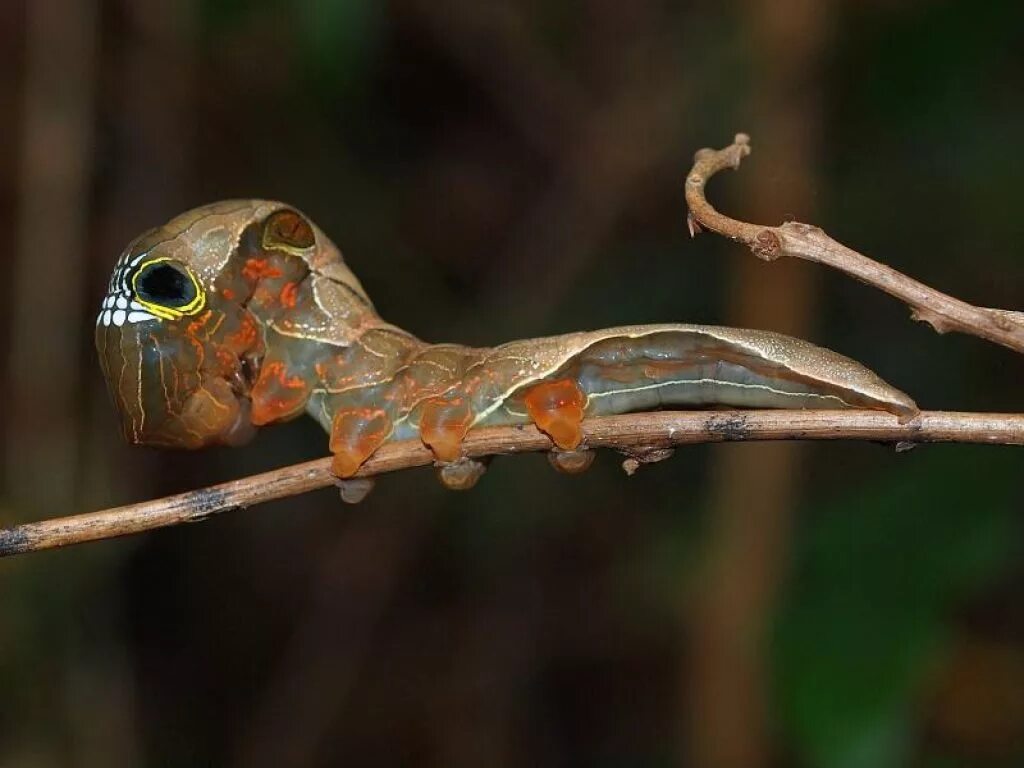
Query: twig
[(640, 435), (804, 241)]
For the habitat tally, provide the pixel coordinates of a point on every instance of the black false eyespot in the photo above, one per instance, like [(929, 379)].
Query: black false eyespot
[(165, 284)]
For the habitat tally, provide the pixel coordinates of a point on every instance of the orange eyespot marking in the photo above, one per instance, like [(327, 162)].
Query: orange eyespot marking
[(289, 295), (288, 230), (228, 294), (443, 425), (278, 393), (556, 407), (355, 434), (257, 268)]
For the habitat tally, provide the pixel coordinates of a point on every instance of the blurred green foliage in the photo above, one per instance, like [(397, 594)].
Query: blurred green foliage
[(335, 40), (876, 575)]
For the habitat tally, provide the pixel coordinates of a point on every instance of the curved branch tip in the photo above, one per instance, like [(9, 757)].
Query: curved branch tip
[(805, 241)]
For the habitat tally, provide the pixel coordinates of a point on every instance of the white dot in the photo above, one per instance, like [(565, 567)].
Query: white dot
[(122, 302), (119, 317), (106, 317), (138, 317), (136, 305)]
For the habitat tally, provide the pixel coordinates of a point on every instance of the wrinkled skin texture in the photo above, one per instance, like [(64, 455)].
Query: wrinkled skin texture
[(244, 313)]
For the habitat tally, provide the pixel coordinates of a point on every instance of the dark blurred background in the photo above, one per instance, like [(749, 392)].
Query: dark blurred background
[(496, 170)]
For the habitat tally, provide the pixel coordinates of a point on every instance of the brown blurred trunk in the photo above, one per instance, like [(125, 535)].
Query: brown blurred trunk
[(44, 392), (755, 487), (43, 396), (59, 452)]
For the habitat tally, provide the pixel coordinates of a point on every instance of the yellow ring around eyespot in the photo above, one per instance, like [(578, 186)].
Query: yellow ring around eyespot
[(170, 313)]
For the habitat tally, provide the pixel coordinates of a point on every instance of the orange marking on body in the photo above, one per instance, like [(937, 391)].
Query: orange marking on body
[(200, 349), (257, 268), (355, 434), (289, 295), (199, 323), (444, 424), (556, 407), (191, 330), (263, 296), (228, 361), (277, 393), (228, 294), (246, 335), (320, 369)]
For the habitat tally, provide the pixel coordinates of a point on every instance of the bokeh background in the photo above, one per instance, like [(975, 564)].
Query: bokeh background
[(496, 170)]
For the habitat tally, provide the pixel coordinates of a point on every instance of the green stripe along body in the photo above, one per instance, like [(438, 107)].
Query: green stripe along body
[(244, 313)]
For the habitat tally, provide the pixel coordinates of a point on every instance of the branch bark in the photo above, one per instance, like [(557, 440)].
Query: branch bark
[(805, 241), (642, 436)]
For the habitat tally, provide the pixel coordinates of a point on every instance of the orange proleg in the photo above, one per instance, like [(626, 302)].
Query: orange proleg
[(443, 425), (556, 407), (355, 434), (280, 392)]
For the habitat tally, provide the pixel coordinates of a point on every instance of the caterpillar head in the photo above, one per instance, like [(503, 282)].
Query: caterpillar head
[(181, 334)]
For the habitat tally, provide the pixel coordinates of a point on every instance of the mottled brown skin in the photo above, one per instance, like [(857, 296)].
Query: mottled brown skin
[(243, 313)]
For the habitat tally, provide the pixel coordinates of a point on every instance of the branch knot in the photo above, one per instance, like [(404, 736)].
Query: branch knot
[(767, 245)]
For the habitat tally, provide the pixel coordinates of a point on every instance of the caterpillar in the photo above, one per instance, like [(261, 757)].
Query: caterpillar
[(243, 313)]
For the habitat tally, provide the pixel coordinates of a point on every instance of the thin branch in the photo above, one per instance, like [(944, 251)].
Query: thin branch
[(642, 436), (804, 241)]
